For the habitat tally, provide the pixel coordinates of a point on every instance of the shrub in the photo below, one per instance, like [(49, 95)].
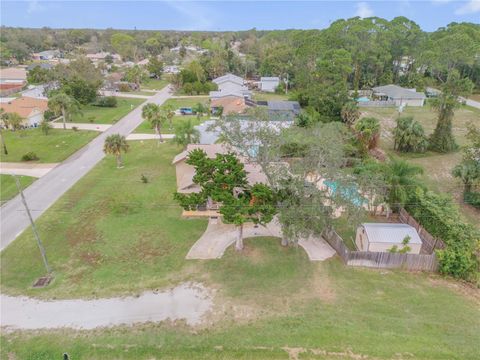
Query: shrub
[(30, 156), (49, 115), (409, 135), (144, 179), (74, 128), (472, 198), (124, 87), (106, 101)]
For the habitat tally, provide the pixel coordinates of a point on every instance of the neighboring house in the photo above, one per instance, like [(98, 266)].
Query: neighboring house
[(30, 109), (186, 172), (13, 75), (100, 56), (381, 237), (230, 104), (399, 95), (171, 69), (269, 84), (47, 55), (283, 110), (230, 85)]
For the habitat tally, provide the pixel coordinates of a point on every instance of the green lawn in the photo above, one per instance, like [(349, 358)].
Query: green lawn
[(263, 96), (148, 93), (8, 188), (437, 167), (154, 84), (105, 115), (145, 127), (54, 147), (112, 234)]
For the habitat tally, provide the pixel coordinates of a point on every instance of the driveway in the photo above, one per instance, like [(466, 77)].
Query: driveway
[(44, 192), (127, 95), (81, 126), (189, 302), (219, 236), (149, 136), (27, 169)]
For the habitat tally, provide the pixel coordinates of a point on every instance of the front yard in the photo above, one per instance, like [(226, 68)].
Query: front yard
[(106, 115), (112, 234), (154, 84), (437, 167), (8, 188), (54, 147)]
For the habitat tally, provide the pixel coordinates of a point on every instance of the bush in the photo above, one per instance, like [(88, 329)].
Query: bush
[(409, 135), (124, 87), (106, 101), (74, 128), (30, 156), (49, 115), (472, 198)]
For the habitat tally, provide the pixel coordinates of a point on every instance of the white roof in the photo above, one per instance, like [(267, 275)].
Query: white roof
[(228, 77), (397, 92), (390, 233), (270, 78)]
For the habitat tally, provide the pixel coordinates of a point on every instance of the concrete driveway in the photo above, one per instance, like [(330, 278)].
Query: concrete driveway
[(219, 236), (44, 192), (33, 170), (82, 126)]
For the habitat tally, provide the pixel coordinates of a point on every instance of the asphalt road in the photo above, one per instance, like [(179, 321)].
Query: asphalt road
[(45, 191)]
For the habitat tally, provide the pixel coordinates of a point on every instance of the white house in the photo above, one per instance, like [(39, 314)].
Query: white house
[(230, 85), (399, 95), (382, 237), (269, 84)]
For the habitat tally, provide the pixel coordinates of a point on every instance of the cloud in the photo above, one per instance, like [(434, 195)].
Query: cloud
[(470, 7), (364, 10), (34, 6), (195, 17)]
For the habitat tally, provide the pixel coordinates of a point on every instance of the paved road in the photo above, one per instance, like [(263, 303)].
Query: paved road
[(45, 191), (473, 103)]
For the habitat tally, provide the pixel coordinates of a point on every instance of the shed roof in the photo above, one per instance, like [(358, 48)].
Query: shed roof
[(397, 92), (390, 233), (284, 105)]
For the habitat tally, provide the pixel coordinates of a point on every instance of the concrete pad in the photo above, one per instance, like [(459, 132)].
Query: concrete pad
[(149, 136), (82, 126), (317, 249), (26, 169)]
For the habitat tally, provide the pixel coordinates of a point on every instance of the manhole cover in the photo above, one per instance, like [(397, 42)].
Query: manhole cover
[(42, 282)]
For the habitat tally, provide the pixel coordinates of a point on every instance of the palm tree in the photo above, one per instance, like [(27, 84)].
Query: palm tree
[(154, 114), (65, 105), (45, 127), (409, 135), (199, 109), (468, 171), (12, 121), (115, 144), (401, 178), (5, 151), (186, 133), (350, 113), (170, 111), (368, 132)]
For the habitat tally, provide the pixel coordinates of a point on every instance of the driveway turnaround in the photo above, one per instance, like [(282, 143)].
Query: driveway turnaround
[(187, 302), (33, 170), (149, 136), (45, 191), (82, 126), (219, 236)]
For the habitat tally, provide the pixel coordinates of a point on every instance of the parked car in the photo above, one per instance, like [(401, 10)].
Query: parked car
[(186, 111)]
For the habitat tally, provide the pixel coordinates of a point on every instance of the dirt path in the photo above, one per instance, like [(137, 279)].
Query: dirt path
[(187, 302)]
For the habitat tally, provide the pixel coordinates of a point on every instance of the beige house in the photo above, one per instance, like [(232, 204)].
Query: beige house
[(30, 109), (381, 237), (186, 172)]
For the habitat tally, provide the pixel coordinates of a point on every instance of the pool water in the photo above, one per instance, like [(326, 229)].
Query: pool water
[(349, 193), (363, 99)]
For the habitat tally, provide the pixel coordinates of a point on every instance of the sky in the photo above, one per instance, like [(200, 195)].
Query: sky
[(227, 15)]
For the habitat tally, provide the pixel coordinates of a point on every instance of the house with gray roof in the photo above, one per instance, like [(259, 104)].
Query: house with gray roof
[(283, 110), (382, 237), (399, 95), (230, 85)]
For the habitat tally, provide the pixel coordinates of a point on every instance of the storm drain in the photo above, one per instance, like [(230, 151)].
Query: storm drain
[(42, 282)]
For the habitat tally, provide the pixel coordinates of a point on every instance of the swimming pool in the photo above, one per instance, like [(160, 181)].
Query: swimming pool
[(349, 193), (363, 99)]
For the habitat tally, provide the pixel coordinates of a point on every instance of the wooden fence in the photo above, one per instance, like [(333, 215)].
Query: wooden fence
[(424, 262), (429, 243)]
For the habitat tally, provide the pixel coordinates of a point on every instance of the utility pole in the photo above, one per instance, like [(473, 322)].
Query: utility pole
[(34, 228)]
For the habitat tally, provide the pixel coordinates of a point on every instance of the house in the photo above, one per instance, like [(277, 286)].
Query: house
[(382, 237), (229, 104), (30, 109), (400, 96), (13, 75), (283, 110), (101, 56), (47, 55), (230, 85), (186, 172), (171, 69), (269, 84)]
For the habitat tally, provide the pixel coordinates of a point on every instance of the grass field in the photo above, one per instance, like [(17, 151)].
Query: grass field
[(437, 167), (54, 147), (145, 127), (112, 234), (154, 84), (261, 96), (147, 93), (8, 188), (105, 115)]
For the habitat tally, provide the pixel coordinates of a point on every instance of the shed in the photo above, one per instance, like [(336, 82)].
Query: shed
[(283, 110), (381, 237), (399, 95), (269, 84)]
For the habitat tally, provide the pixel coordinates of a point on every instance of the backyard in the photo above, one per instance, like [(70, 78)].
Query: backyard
[(113, 234), (154, 84), (54, 147), (177, 103), (264, 96), (437, 167), (8, 188), (106, 115)]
